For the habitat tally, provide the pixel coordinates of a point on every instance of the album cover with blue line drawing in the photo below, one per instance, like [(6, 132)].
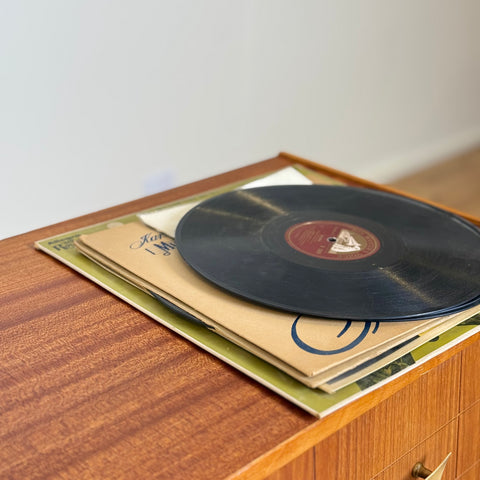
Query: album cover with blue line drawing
[(311, 349)]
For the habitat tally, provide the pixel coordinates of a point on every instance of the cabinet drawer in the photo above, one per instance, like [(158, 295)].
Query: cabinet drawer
[(302, 468), (470, 376), (468, 439), (379, 437), (431, 453), (472, 474)]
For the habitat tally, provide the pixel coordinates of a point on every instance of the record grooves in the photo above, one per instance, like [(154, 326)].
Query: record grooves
[(334, 252)]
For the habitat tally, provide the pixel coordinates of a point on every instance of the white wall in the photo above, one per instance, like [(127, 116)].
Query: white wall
[(104, 101)]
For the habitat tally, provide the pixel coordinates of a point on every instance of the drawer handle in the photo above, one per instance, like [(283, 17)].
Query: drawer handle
[(420, 471)]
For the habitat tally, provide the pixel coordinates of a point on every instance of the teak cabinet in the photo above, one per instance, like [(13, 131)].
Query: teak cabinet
[(91, 388), (437, 414)]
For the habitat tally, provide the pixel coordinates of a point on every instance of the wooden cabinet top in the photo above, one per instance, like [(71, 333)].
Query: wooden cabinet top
[(92, 388)]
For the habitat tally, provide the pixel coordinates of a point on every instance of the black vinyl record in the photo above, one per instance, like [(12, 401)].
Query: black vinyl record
[(335, 252)]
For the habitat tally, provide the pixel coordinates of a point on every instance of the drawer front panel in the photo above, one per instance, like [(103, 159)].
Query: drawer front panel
[(378, 438), (468, 439), (302, 468), (472, 474), (431, 453), (470, 375)]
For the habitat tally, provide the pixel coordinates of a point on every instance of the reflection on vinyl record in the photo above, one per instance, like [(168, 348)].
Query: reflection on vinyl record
[(334, 252)]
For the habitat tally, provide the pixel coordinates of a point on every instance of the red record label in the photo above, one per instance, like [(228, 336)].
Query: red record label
[(330, 240)]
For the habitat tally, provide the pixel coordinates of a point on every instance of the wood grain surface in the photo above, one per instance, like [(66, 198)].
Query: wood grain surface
[(470, 377), (90, 388), (471, 474), (374, 441), (431, 453), (302, 468), (469, 438)]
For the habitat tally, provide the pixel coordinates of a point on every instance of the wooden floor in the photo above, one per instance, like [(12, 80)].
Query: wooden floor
[(455, 183)]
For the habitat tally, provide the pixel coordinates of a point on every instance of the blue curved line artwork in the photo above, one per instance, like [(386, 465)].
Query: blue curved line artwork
[(308, 348)]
